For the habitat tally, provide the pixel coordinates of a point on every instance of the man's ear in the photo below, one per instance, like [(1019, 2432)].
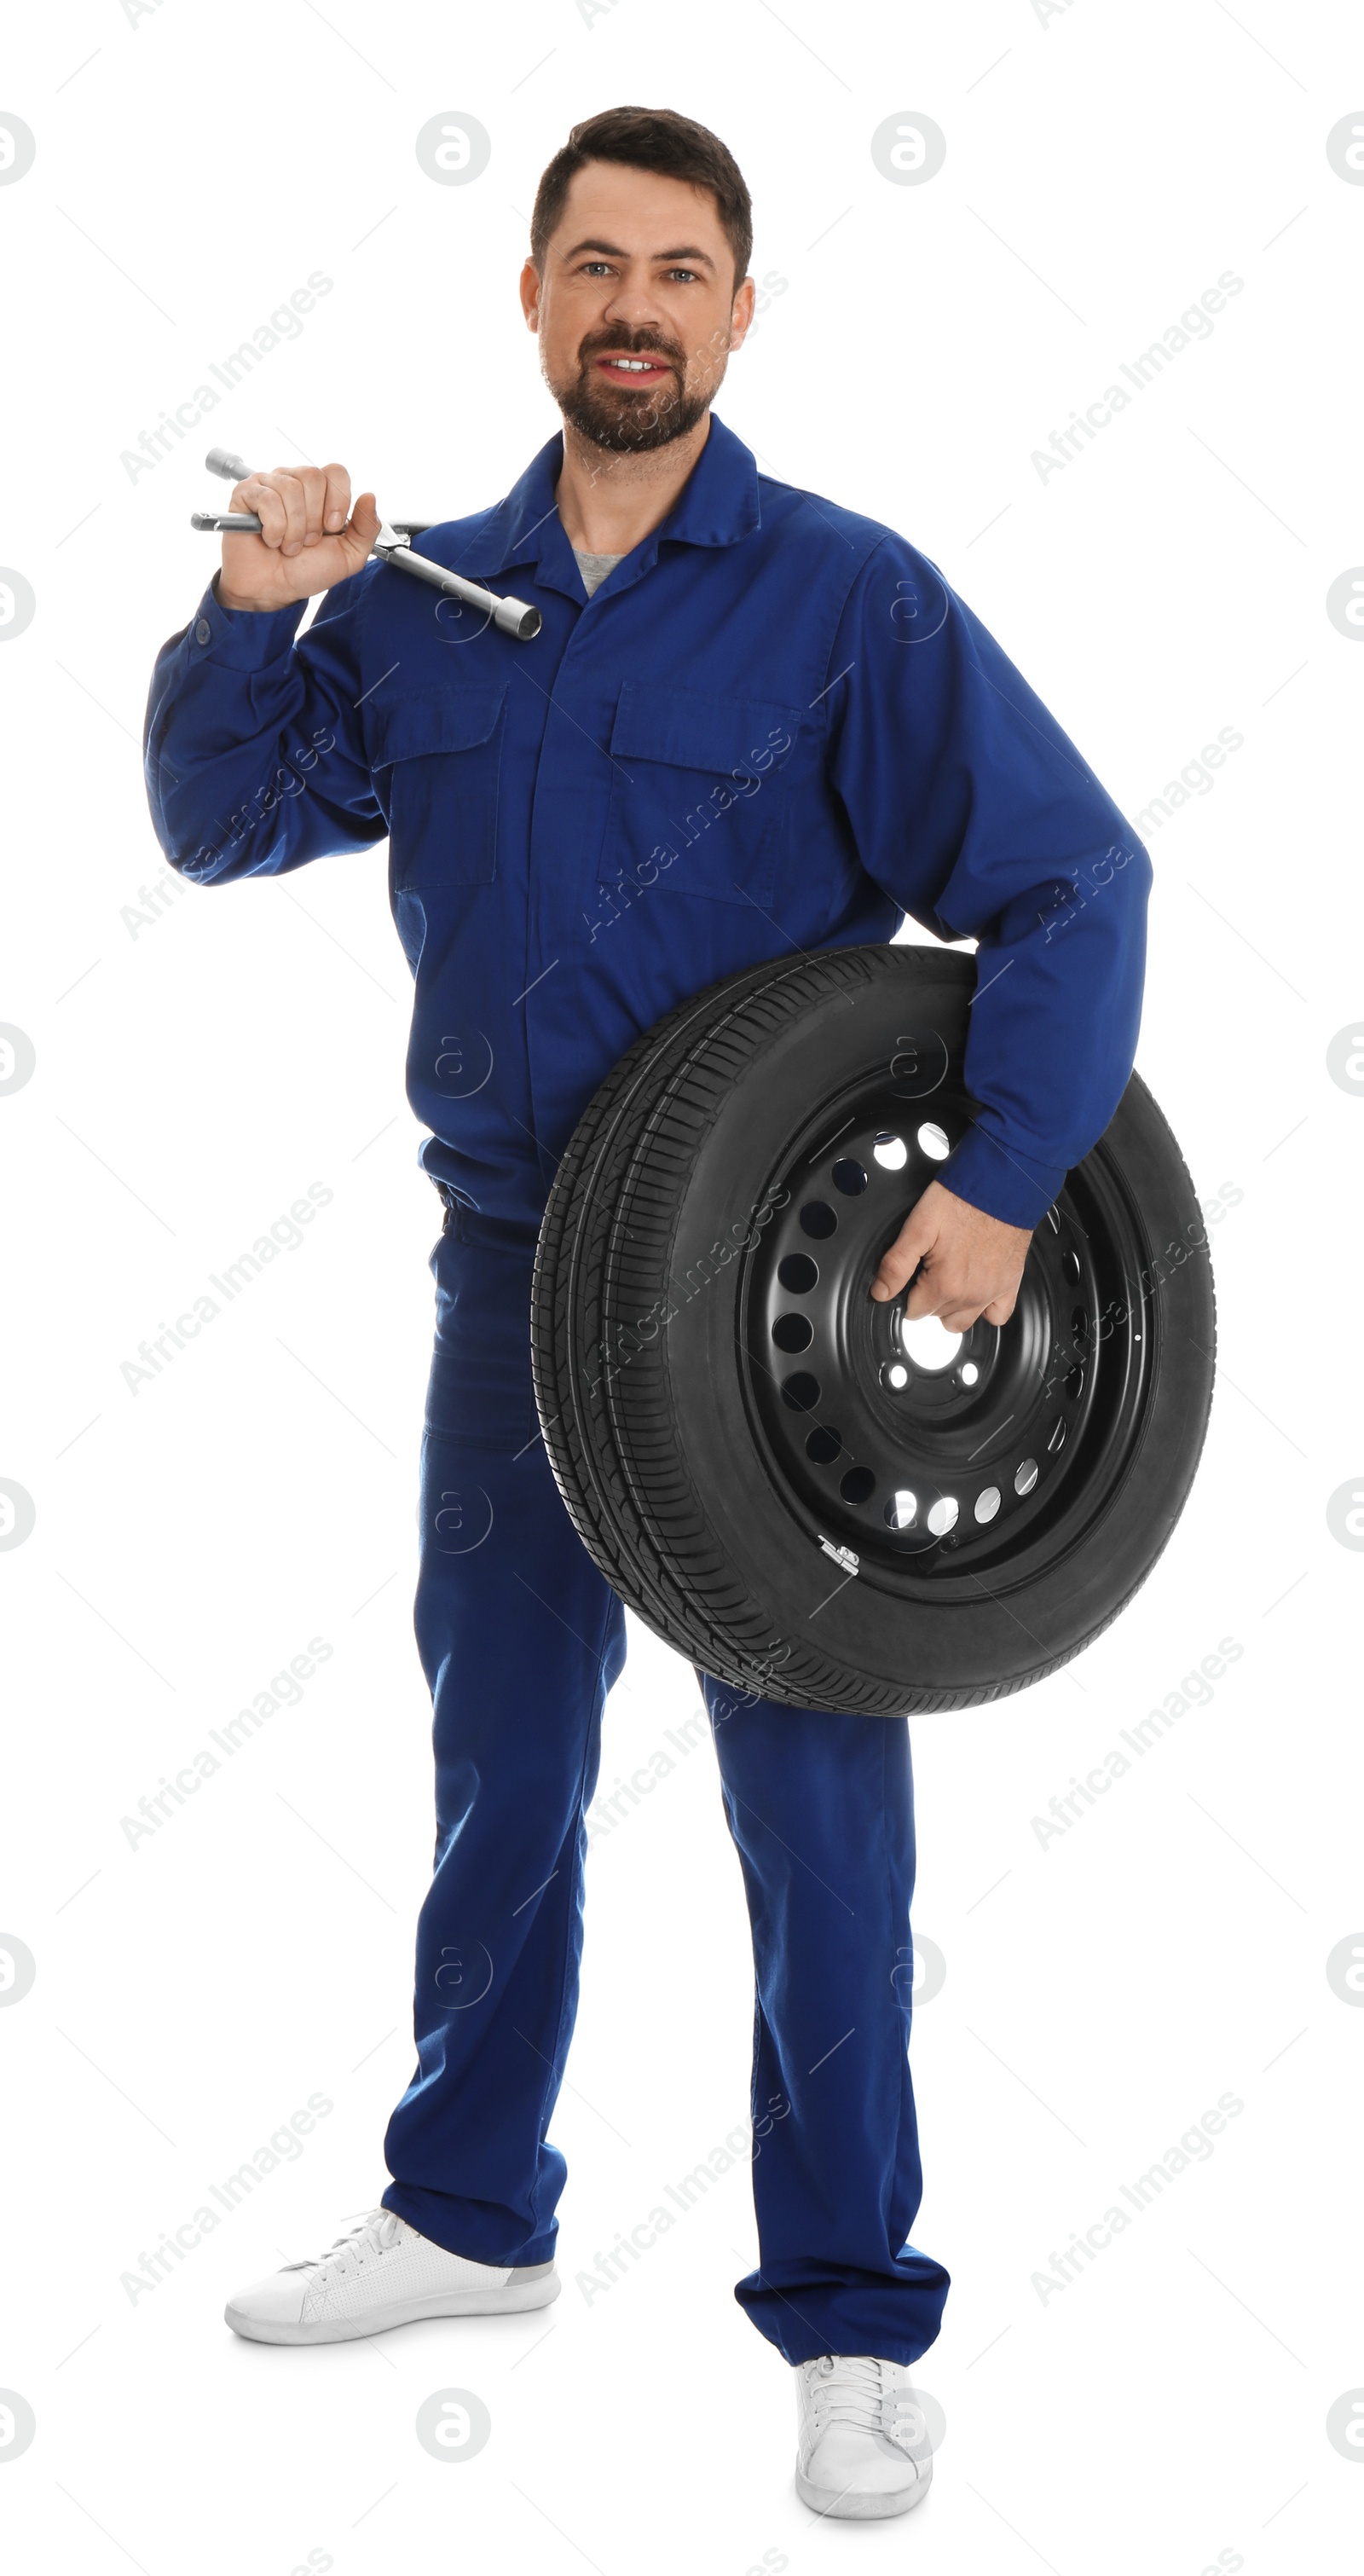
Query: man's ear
[(529, 286), (741, 313)]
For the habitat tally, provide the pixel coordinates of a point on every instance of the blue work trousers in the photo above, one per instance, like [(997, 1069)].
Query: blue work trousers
[(521, 1638)]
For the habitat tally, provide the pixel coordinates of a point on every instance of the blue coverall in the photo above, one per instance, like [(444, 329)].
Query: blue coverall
[(773, 728)]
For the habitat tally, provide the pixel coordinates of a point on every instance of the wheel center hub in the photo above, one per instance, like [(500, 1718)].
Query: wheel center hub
[(910, 1443), (928, 1345)]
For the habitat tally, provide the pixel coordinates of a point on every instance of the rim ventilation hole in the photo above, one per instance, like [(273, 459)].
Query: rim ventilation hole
[(818, 1219), (798, 1274), (824, 1446), (943, 1515), (800, 1392), (858, 1485), (931, 1141), (987, 1504), (849, 1177), (901, 1511), (1057, 1436), (891, 1152), (793, 1332), (1026, 1477)]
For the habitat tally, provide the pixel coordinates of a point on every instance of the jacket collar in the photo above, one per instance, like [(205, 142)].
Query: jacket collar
[(718, 505)]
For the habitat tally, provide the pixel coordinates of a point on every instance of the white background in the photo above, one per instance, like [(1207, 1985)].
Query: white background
[(1104, 165)]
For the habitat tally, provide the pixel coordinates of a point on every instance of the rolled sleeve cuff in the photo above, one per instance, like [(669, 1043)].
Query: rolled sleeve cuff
[(240, 639), (1001, 1181)]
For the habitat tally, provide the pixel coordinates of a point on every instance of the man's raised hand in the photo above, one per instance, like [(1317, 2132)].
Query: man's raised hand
[(310, 537)]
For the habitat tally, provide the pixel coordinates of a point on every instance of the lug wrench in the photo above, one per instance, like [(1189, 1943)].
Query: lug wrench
[(391, 545)]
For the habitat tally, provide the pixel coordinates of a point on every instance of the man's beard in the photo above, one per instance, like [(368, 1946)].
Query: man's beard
[(615, 416)]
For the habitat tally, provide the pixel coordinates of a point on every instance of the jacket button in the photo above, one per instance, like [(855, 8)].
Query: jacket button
[(203, 633)]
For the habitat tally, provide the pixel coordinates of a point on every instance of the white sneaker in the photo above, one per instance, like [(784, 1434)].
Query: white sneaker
[(863, 2447), (381, 2274)]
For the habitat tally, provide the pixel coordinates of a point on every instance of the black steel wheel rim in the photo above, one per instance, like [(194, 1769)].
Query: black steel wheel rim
[(992, 1463)]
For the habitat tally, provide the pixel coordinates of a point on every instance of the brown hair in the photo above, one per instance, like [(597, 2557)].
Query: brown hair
[(648, 138)]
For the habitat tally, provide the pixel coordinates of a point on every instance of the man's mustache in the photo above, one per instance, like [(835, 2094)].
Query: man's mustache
[(632, 344)]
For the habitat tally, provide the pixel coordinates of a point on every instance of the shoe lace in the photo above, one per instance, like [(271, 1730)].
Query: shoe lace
[(869, 2395), (376, 2232)]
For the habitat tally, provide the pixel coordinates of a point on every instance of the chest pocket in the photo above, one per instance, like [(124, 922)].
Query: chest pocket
[(698, 792), (436, 756)]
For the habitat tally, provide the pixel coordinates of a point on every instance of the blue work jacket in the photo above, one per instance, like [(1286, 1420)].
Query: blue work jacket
[(773, 728)]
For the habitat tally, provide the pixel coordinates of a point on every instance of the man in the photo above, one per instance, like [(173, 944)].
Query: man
[(702, 623)]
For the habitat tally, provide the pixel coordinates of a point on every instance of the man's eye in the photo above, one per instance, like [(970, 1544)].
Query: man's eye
[(596, 268), (682, 276)]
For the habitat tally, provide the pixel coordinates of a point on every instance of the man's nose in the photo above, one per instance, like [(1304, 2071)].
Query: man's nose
[(633, 306)]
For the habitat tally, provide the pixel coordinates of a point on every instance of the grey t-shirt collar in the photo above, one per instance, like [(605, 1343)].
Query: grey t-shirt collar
[(594, 568)]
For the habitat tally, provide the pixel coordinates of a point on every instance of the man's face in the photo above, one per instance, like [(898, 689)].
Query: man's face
[(636, 310)]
